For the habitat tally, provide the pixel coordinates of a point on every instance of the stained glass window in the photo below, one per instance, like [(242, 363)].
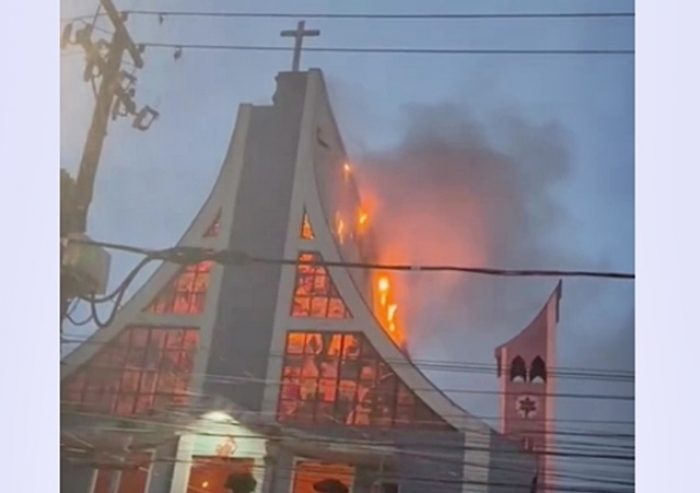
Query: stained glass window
[(186, 294), (307, 231), (315, 293), (213, 230), (144, 368), (340, 378)]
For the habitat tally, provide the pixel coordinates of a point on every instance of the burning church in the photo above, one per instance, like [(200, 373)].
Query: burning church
[(268, 377)]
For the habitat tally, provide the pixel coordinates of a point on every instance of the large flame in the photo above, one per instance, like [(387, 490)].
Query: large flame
[(386, 309)]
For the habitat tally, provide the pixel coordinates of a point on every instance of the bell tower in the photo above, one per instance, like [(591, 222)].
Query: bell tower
[(528, 386)]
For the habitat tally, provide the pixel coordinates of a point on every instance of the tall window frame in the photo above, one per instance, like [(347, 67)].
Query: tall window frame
[(315, 293), (340, 378), (186, 293)]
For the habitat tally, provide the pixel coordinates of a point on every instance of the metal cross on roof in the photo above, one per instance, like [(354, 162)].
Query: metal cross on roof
[(298, 34)]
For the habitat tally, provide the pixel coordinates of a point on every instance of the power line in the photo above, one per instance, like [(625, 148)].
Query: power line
[(431, 480), (318, 15), (362, 439), (447, 366), (193, 255), (397, 51), (616, 441), (514, 466), (237, 380)]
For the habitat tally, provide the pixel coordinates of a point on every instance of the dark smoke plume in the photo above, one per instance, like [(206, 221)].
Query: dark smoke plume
[(464, 192)]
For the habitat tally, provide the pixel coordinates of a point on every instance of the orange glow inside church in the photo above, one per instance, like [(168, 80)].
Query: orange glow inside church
[(386, 309), (362, 218)]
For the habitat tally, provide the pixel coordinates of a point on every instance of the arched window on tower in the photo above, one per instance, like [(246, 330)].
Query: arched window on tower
[(518, 370), (538, 371)]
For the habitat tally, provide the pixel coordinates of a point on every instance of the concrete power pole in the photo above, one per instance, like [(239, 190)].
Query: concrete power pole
[(84, 269)]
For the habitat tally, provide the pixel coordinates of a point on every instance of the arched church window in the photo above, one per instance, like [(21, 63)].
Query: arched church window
[(538, 371), (518, 370)]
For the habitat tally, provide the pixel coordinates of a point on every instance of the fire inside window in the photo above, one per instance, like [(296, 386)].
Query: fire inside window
[(315, 293), (186, 294), (210, 474), (307, 232), (340, 378), (143, 369), (386, 309)]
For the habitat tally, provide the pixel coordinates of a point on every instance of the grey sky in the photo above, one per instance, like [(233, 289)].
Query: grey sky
[(574, 208)]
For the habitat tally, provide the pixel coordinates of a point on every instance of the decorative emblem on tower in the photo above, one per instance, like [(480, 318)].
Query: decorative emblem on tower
[(226, 448), (526, 406)]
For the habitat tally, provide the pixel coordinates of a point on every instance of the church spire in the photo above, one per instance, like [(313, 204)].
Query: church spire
[(528, 387)]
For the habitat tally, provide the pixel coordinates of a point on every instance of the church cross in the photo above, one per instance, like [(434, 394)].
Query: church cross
[(298, 34)]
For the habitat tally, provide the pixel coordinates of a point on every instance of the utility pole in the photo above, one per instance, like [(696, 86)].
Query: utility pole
[(84, 269)]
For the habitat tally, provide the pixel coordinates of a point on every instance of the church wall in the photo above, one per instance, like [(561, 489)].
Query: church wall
[(161, 475), (510, 470), (282, 473), (243, 331), (428, 460), (431, 462), (75, 478), (338, 193)]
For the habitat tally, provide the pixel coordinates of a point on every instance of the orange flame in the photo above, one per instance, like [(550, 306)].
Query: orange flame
[(362, 219), (387, 309), (391, 311)]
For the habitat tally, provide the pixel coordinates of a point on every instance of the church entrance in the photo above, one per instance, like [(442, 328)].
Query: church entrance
[(209, 474), (310, 475)]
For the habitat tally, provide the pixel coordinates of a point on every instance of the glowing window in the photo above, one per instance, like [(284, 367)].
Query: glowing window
[(186, 294), (213, 230), (309, 473), (209, 474), (339, 378), (315, 293), (307, 232), (143, 369)]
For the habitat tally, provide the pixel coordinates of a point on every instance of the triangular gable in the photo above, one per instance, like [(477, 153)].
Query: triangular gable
[(186, 293), (341, 378), (144, 368), (315, 293), (307, 232), (213, 229)]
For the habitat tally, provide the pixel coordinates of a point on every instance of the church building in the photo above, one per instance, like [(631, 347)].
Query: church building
[(295, 375)]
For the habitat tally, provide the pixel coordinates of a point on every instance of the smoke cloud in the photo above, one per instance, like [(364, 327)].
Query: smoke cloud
[(459, 191)]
